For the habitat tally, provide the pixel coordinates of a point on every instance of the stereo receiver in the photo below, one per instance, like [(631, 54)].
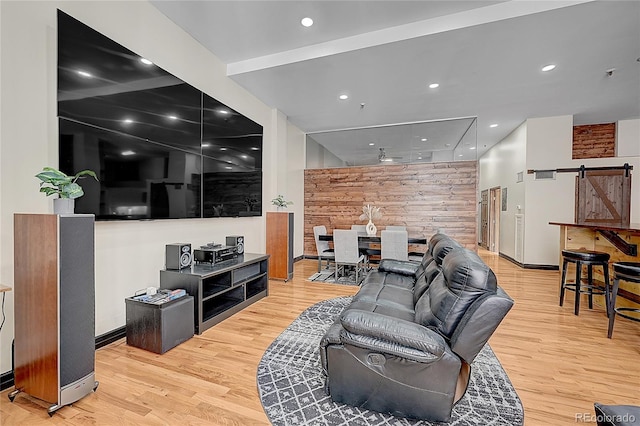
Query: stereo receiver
[(215, 255)]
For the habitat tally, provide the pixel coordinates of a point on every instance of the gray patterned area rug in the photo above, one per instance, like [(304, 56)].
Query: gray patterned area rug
[(328, 276), (291, 383)]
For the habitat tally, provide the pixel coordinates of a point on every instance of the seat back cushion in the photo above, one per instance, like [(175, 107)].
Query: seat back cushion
[(442, 248), (423, 282), (464, 278)]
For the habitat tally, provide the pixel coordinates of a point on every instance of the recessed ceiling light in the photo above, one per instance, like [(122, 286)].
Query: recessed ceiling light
[(84, 74), (434, 85), (223, 111), (423, 139), (146, 61), (127, 121), (343, 97), (245, 156), (172, 117), (206, 145), (472, 147), (447, 144), (371, 144), (255, 148), (125, 153), (306, 22), (419, 158), (548, 67), (223, 149), (228, 167), (493, 125), (459, 155)]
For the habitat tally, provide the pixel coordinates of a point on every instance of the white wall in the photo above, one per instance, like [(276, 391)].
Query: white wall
[(499, 167), (318, 157), (628, 138), (295, 183), (548, 145), (129, 255)]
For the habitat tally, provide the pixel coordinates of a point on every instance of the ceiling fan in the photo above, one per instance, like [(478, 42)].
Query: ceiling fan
[(382, 157)]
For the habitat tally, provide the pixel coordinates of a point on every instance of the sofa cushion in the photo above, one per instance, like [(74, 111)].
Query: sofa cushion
[(395, 310), (464, 278)]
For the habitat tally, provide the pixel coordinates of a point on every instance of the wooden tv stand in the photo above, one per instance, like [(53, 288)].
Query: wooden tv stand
[(221, 290)]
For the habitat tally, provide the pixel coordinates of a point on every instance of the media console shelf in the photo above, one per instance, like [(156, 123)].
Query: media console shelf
[(221, 290)]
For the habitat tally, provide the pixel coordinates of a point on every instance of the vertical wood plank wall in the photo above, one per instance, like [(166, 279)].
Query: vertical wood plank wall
[(423, 197)]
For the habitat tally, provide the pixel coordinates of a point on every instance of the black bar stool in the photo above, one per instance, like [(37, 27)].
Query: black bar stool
[(629, 272), (590, 259)]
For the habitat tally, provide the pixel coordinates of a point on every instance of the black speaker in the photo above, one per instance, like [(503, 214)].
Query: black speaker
[(177, 256), (238, 241)]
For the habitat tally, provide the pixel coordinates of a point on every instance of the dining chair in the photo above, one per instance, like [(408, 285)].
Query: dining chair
[(359, 228), (322, 247), (365, 248), (347, 253), (394, 245)]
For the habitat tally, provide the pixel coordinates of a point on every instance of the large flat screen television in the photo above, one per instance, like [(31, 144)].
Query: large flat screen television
[(160, 147)]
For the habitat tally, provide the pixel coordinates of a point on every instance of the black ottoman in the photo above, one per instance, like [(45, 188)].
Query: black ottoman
[(617, 415)]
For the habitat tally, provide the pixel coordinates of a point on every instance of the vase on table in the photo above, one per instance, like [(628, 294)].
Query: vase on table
[(371, 228)]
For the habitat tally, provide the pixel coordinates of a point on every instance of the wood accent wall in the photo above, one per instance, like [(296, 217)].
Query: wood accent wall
[(423, 197), (594, 141)]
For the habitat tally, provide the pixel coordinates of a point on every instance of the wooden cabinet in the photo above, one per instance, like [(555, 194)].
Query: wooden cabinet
[(54, 304), (280, 245), (221, 290)]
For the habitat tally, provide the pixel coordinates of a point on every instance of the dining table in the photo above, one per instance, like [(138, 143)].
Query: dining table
[(364, 238)]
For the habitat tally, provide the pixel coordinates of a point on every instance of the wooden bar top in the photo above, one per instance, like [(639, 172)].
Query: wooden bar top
[(632, 227)]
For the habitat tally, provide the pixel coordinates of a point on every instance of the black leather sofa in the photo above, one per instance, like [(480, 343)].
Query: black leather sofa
[(406, 342)]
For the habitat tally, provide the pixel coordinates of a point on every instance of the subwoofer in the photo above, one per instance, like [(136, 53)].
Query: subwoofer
[(238, 241), (177, 256)]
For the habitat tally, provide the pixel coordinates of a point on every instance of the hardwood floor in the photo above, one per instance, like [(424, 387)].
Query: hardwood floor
[(559, 363)]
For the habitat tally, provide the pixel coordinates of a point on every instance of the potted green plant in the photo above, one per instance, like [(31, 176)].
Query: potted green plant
[(54, 181), (280, 202)]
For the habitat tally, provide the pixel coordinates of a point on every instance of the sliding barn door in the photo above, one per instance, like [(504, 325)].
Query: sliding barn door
[(604, 197)]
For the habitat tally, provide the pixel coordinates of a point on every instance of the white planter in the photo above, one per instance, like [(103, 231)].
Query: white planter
[(63, 206)]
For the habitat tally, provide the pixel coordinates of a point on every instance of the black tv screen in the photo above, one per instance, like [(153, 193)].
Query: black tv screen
[(160, 147)]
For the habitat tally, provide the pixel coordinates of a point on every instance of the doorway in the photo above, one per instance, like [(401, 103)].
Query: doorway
[(484, 219), (495, 205)]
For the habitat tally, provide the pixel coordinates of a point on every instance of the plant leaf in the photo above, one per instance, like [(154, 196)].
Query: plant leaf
[(73, 190), (85, 173)]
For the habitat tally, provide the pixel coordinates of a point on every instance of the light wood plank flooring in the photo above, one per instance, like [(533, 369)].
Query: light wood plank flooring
[(559, 363)]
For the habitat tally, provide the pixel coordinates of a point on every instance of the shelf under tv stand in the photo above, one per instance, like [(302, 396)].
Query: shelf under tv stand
[(222, 289)]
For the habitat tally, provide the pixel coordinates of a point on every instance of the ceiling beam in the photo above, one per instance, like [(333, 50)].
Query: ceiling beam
[(496, 12)]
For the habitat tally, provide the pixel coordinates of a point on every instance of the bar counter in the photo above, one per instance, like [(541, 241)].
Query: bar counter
[(621, 242)]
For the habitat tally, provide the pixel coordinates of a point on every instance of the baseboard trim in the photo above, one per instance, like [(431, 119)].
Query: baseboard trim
[(7, 379), (110, 337), (529, 265)]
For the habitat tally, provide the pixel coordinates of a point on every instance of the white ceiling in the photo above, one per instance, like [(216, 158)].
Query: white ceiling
[(486, 55)]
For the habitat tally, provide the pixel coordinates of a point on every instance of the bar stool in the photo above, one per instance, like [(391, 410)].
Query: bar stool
[(590, 259), (629, 272)]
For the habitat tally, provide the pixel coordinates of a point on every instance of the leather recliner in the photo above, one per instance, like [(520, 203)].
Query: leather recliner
[(410, 356)]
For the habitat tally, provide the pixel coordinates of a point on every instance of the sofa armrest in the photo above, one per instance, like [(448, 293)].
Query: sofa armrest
[(402, 267), (478, 324), (331, 337), (395, 336)]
